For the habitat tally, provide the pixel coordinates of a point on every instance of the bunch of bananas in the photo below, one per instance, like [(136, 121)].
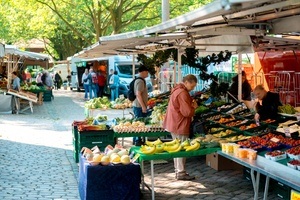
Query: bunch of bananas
[(173, 146)]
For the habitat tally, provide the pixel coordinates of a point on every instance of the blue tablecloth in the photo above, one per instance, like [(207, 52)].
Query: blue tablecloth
[(112, 182)]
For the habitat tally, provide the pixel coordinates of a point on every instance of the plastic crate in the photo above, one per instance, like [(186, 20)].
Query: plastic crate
[(96, 136), (76, 156), (75, 132), (47, 96)]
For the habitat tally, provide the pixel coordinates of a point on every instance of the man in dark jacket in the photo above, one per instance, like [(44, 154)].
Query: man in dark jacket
[(267, 107)]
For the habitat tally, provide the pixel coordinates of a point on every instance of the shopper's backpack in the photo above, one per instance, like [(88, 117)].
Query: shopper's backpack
[(94, 78), (131, 95)]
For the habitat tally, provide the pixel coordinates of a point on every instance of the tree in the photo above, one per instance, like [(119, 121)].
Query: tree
[(71, 25)]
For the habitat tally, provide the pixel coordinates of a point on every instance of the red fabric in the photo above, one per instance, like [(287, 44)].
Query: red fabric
[(101, 80), (179, 112)]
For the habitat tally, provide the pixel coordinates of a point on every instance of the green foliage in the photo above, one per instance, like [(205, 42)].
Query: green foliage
[(70, 25)]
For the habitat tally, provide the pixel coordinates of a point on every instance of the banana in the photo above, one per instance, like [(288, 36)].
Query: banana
[(176, 150), (172, 142), (171, 148), (156, 142), (147, 149), (193, 147), (159, 148), (185, 143)]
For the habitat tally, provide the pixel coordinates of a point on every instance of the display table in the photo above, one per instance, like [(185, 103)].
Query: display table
[(28, 97), (165, 156), (270, 169), (141, 134), (109, 182), (39, 93)]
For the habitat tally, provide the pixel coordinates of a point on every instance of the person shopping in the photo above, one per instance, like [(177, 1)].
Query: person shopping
[(140, 103), (114, 83), (86, 83), (15, 101), (267, 105), (180, 111)]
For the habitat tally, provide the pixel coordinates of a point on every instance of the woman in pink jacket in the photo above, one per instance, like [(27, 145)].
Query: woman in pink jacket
[(180, 111)]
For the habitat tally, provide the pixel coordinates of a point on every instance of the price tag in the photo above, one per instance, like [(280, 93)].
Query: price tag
[(295, 195), (136, 156), (274, 139)]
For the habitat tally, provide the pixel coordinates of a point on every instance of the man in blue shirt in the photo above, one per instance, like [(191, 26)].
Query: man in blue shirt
[(15, 103)]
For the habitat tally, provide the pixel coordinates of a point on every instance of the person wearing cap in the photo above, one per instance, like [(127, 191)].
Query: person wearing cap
[(140, 103)]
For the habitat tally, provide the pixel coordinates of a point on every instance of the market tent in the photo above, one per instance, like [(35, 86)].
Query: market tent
[(2, 50), (13, 50), (15, 57), (221, 25)]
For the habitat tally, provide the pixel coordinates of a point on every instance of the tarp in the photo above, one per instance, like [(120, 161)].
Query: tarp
[(218, 26), (13, 50)]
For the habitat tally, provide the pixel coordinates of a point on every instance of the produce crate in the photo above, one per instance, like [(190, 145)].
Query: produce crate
[(100, 138), (47, 96), (253, 131), (75, 132), (75, 151)]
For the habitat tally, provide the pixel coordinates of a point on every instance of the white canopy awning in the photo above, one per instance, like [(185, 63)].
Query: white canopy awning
[(2, 50), (13, 50), (221, 25)]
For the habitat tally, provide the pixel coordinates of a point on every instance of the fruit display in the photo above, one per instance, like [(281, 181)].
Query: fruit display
[(111, 155), (245, 127), (224, 120), (173, 146), (214, 117), (201, 109), (121, 103), (98, 103), (287, 109), (238, 108), (128, 127), (31, 87), (89, 125), (275, 155), (223, 133), (295, 164), (269, 120), (225, 107), (215, 129), (235, 123), (237, 138), (294, 152), (159, 112)]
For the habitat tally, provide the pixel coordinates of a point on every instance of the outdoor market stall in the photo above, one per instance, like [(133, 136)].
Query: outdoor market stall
[(115, 181), (165, 156), (271, 169), (27, 97)]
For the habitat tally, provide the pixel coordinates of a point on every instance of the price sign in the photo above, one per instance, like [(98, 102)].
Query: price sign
[(274, 139), (134, 159), (295, 195)]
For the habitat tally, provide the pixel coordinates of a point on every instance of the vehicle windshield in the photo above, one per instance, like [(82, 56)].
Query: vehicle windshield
[(125, 70)]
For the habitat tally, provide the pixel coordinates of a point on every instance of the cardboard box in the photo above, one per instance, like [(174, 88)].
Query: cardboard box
[(217, 162)]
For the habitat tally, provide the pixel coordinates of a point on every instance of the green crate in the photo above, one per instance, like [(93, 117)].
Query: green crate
[(97, 137), (75, 132), (76, 156)]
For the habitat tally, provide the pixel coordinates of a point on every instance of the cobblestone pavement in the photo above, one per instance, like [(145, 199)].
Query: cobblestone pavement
[(36, 160)]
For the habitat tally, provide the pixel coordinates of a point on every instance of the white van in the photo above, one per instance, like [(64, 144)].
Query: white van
[(122, 64)]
